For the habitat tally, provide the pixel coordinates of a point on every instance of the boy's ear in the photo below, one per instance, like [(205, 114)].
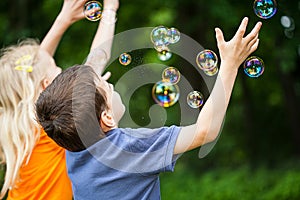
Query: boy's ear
[(45, 83), (107, 120)]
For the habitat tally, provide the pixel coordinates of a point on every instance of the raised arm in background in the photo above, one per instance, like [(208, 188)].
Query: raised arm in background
[(100, 50), (71, 12)]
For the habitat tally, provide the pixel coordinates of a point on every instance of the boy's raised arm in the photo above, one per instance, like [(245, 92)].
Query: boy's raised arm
[(101, 46), (232, 54), (71, 12)]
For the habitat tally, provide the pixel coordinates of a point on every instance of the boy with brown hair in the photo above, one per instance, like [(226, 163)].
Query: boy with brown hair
[(81, 111)]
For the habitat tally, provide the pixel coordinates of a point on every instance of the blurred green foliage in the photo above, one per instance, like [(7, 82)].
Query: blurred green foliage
[(257, 154), (232, 184)]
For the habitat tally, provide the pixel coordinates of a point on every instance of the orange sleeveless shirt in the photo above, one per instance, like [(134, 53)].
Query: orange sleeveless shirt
[(45, 176)]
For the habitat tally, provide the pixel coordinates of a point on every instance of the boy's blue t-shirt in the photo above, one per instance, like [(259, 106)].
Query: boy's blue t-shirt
[(123, 165)]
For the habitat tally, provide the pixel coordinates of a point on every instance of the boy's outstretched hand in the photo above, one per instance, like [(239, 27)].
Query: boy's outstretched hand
[(210, 119), (239, 47)]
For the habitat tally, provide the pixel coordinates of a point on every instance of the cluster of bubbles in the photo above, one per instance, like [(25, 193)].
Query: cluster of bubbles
[(93, 10), (162, 37), (166, 92), (207, 61), (125, 59), (264, 9), (288, 25)]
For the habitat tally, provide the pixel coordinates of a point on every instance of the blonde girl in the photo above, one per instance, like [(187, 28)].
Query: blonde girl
[(35, 165)]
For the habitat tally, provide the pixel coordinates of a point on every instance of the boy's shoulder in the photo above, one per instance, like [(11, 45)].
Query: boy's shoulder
[(144, 132)]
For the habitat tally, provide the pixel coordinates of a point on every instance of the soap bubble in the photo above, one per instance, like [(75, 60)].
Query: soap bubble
[(286, 21), (195, 99), (171, 74), (207, 60), (265, 9), (125, 59), (173, 35), (93, 10), (253, 66), (164, 55), (165, 93), (159, 36)]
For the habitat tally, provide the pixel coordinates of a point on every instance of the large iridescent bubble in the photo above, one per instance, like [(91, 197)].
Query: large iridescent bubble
[(93, 10), (195, 99), (159, 36), (165, 93), (173, 35), (171, 74), (265, 9), (254, 67), (207, 60)]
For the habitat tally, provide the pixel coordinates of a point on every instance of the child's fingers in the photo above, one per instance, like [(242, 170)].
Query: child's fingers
[(219, 36), (253, 41), (242, 28), (254, 46), (254, 32), (106, 76)]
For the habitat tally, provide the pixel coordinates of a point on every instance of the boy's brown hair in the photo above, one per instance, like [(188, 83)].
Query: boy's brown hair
[(69, 109)]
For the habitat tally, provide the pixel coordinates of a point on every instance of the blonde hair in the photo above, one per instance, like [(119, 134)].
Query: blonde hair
[(19, 91)]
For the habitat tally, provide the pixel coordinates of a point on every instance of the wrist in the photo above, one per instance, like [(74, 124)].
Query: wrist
[(109, 16), (228, 70), (63, 21)]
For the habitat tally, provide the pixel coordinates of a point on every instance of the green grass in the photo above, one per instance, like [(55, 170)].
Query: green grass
[(232, 184), (240, 183)]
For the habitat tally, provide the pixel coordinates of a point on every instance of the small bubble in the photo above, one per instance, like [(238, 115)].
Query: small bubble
[(93, 10), (164, 55), (286, 22), (254, 67), (173, 35), (125, 59), (207, 60), (159, 36), (171, 74), (165, 93), (195, 99), (265, 9)]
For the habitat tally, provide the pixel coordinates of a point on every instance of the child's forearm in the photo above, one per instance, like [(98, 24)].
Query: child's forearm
[(71, 12), (53, 37), (102, 43), (213, 112), (105, 32), (210, 119)]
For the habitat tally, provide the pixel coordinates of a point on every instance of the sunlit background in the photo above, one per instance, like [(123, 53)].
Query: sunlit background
[(257, 153)]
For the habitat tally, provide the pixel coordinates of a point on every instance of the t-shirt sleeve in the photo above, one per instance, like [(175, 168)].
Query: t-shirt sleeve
[(154, 147)]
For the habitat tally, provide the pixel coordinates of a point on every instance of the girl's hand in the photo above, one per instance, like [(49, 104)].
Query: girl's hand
[(72, 11)]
